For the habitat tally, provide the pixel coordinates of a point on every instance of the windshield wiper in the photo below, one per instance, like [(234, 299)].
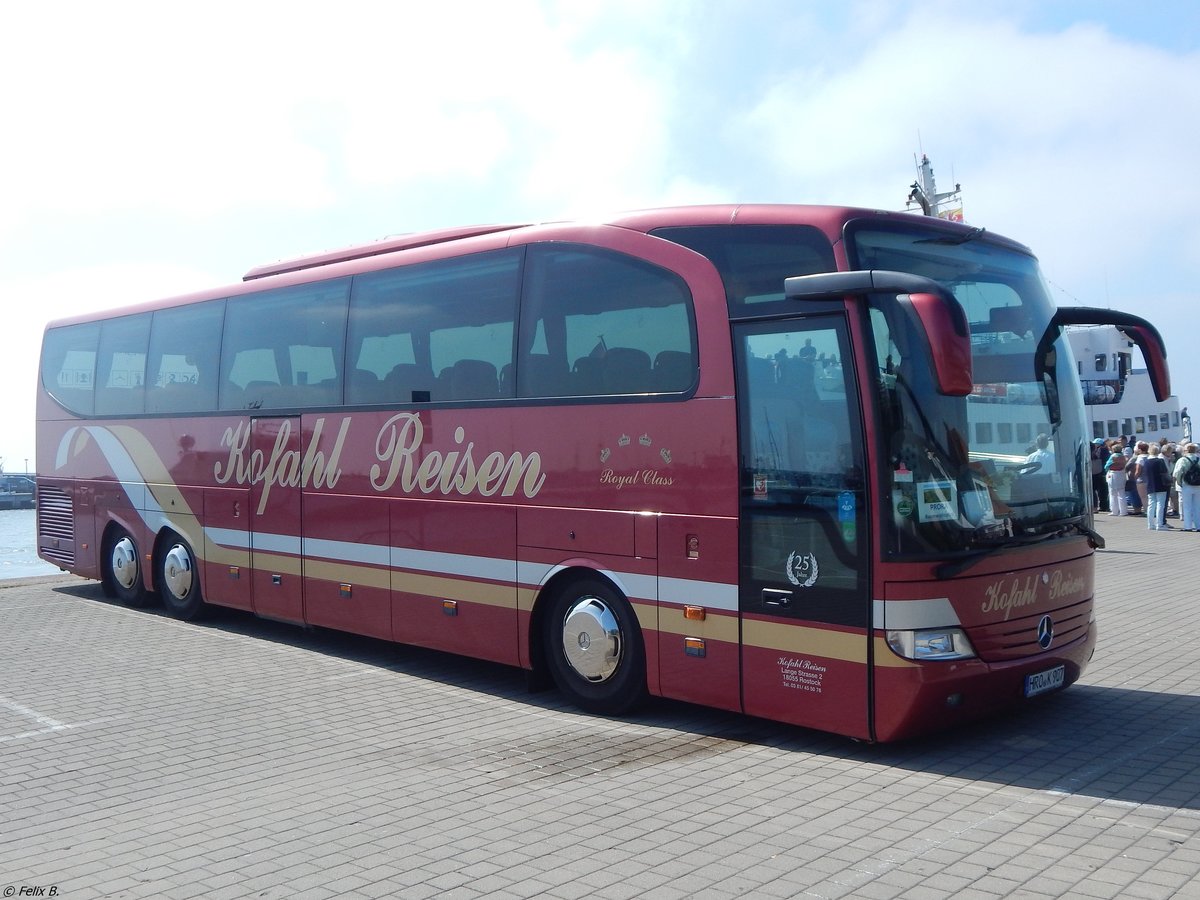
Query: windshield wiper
[(956, 566), (1071, 523), (1060, 527), (953, 239)]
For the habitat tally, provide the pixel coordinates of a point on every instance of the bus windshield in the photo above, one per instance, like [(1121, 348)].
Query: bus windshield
[(1009, 461)]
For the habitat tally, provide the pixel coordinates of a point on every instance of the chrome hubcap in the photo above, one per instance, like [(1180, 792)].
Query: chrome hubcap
[(125, 563), (591, 639), (177, 572)]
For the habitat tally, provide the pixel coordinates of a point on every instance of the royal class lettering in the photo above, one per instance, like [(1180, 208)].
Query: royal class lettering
[(283, 467), (650, 477), (455, 471)]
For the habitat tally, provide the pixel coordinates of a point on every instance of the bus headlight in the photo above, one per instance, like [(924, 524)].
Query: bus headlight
[(931, 643)]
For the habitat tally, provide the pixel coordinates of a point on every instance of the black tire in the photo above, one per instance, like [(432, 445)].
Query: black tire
[(121, 575), (594, 648), (179, 580)]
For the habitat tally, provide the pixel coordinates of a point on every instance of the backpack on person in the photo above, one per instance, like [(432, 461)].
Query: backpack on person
[(1117, 464), (1191, 475)]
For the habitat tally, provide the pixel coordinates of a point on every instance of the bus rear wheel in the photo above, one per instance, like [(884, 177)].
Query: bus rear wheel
[(594, 648), (179, 580), (122, 575)]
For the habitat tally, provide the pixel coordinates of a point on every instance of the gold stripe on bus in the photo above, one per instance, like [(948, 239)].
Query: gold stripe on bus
[(367, 576), (647, 615), (413, 583), (886, 658), (525, 598), (277, 563), (221, 554), (827, 643), (155, 474), (455, 589), (713, 626)]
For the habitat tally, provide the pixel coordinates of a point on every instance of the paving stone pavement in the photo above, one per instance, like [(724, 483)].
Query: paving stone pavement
[(142, 757)]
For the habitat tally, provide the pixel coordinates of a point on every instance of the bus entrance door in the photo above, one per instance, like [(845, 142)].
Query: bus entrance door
[(276, 533), (803, 594)]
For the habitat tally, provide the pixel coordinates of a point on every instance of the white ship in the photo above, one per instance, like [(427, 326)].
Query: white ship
[(1117, 397)]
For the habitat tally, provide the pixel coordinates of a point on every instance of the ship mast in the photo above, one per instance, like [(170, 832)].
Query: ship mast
[(924, 193)]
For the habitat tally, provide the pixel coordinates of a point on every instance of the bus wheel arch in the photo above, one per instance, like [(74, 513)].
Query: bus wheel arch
[(585, 634), (121, 575), (177, 576)]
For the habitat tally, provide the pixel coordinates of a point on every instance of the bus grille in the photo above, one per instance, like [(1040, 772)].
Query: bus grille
[(56, 525), (1017, 638)]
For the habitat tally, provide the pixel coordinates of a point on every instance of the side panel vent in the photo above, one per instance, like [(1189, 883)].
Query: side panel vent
[(56, 525)]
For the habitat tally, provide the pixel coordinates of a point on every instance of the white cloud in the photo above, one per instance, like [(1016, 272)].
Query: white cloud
[(226, 107), (1071, 142)]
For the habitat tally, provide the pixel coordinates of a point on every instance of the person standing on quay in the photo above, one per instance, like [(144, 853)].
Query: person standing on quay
[(1135, 479), (1170, 457), (1100, 456), (1115, 473), (1189, 495), (1157, 480)]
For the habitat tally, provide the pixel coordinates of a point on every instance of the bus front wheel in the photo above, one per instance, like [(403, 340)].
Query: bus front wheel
[(122, 575), (179, 580), (594, 648)]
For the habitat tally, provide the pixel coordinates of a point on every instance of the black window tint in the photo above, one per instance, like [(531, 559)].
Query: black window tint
[(284, 348), (184, 359), (754, 260), (596, 322), (121, 366), (69, 366), (434, 331)]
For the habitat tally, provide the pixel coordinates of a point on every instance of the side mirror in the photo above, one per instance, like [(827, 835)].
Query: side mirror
[(1137, 329), (933, 308)]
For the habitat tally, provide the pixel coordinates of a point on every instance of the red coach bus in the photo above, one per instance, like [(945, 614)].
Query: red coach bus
[(773, 459)]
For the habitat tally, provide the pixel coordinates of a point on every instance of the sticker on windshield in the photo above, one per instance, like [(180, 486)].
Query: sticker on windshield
[(937, 501)]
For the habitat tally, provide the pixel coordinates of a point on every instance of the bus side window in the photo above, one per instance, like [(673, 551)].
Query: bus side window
[(284, 349), (599, 323), (183, 361), (69, 366), (121, 366), (436, 331)]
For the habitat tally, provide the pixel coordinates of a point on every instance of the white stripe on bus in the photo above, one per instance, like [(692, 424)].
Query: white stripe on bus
[(709, 594)]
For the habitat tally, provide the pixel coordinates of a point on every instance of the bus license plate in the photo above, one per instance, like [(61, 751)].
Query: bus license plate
[(1040, 682)]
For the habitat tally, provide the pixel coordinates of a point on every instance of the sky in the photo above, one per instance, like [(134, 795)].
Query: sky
[(152, 149)]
